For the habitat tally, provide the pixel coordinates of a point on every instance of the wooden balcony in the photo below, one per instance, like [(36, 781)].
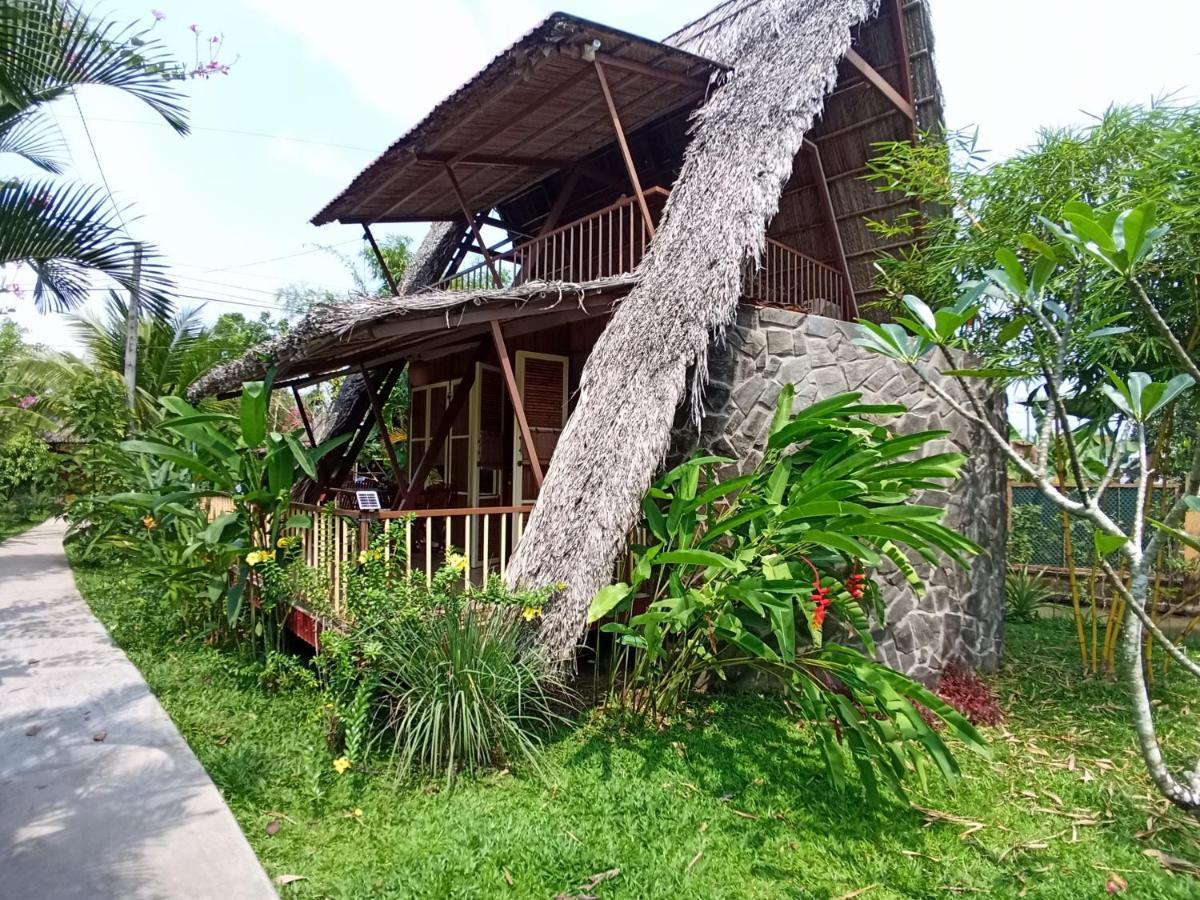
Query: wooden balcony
[(613, 240)]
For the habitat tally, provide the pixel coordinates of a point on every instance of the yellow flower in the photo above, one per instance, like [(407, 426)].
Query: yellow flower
[(254, 557), (149, 522), (285, 542), (341, 764), (363, 557), (531, 612), (457, 561), (358, 813)]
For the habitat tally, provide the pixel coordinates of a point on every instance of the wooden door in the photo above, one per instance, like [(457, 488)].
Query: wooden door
[(542, 385)]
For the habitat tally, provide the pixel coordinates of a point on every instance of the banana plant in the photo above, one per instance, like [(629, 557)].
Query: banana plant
[(772, 570), (237, 457)]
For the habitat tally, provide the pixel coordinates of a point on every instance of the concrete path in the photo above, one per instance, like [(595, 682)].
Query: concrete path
[(133, 815)]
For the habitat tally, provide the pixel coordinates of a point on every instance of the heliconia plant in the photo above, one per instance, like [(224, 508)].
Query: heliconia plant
[(774, 571), (1038, 338)]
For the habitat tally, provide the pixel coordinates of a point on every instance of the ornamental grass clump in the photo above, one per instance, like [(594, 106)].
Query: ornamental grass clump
[(454, 683)]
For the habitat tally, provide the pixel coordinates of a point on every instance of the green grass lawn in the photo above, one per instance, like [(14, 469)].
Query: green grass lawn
[(730, 802)]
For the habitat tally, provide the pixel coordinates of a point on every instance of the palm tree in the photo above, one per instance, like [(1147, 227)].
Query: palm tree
[(64, 231), (175, 348)]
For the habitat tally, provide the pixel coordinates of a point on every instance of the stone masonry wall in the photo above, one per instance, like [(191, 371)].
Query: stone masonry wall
[(960, 617)]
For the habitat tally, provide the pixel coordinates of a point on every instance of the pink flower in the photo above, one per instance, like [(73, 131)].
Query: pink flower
[(194, 29), (28, 401), (158, 16), (214, 40)]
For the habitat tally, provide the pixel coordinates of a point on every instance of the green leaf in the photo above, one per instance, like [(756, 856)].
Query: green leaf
[(1014, 272), (1108, 543), (694, 558), (606, 600), (253, 413)]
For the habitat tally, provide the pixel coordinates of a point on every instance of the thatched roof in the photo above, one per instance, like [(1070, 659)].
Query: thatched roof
[(545, 80), (852, 118), (785, 55)]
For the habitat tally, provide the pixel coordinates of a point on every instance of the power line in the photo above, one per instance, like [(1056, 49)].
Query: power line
[(96, 156), (237, 131), (263, 262)]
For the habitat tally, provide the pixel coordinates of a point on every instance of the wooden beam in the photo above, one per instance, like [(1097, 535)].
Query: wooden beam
[(902, 59), (494, 159), (308, 429), (641, 68), (384, 432), (342, 458), (624, 145), (835, 231), (514, 396), (880, 83), (437, 440), (470, 216), (387, 273)]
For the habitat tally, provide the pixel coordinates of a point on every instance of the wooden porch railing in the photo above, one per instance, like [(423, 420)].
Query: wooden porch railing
[(484, 536), (612, 241)]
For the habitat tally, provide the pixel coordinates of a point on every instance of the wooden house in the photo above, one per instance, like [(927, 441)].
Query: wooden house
[(603, 205)]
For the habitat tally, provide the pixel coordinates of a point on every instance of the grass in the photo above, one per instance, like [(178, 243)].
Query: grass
[(11, 526), (729, 802)]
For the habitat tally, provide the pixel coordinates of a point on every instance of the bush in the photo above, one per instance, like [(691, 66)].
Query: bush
[(27, 467), (1025, 594), (963, 689), (444, 680), (773, 571)]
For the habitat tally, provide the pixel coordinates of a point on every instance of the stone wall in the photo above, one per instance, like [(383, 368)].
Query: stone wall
[(960, 617)]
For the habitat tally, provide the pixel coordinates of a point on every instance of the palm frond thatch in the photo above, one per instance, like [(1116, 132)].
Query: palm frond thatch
[(785, 54)]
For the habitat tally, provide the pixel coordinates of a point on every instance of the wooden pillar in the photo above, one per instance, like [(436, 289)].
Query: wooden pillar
[(514, 396), (384, 432), (624, 145), (835, 233), (470, 216)]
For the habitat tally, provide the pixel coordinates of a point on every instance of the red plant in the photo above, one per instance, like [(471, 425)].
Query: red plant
[(963, 689)]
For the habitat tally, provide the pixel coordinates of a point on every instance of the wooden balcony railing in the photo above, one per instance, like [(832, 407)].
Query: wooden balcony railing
[(613, 240), (610, 241), (792, 280)]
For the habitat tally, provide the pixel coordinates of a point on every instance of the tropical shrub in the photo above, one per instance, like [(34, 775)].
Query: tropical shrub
[(26, 465), (193, 458), (770, 571), (1024, 594)]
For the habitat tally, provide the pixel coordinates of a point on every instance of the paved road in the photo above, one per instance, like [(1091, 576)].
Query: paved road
[(131, 816)]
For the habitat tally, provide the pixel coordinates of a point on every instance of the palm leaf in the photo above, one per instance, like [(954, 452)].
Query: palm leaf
[(65, 232), (50, 47)]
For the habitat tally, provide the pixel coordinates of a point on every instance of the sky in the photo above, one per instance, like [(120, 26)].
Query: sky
[(317, 90)]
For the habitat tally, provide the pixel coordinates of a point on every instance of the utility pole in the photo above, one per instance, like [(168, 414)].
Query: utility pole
[(133, 319)]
